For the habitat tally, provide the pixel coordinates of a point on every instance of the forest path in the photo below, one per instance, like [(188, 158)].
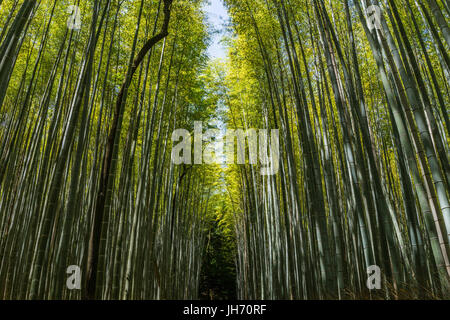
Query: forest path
[(218, 271)]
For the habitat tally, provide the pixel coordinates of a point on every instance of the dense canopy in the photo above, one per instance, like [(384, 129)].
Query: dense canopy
[(91, 92)]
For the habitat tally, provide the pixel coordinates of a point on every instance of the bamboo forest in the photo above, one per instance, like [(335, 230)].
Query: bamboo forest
[(100, 200)]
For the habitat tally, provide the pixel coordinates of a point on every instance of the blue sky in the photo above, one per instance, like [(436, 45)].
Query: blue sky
[(217, 15)]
